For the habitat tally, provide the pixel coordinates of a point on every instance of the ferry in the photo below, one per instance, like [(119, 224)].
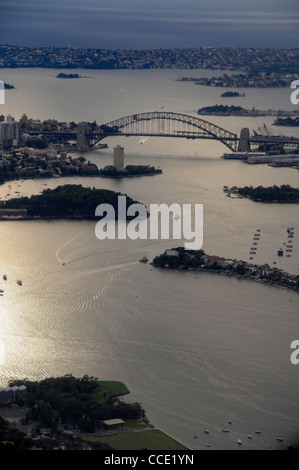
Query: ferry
[(242, 155)]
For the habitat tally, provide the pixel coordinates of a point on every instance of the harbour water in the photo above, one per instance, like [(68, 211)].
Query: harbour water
[(195, 351)]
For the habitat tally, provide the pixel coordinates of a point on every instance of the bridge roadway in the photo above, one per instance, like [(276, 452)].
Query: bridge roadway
[(167, 124)]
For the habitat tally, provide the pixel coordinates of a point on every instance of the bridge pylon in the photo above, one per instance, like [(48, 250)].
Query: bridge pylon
[(82, 137), (244, 142)]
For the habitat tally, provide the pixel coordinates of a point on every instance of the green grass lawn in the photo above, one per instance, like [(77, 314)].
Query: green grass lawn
[(110, 388), (151, 439)]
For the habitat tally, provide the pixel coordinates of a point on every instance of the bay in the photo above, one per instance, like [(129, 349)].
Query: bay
[(195, 351)]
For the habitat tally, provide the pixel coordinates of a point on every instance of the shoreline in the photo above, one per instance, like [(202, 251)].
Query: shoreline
[(228, 274), (197, 261)]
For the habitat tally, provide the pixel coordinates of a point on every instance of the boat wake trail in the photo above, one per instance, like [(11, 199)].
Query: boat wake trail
[(59, 250)]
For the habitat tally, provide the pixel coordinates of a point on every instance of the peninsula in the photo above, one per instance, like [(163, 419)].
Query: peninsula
[(110, 171), (70, 413), (68, 201), (38, 163), (253, 79), (224, 110), (198, 261), (278, 194)]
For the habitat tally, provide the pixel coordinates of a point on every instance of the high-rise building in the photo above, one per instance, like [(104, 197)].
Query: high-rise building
[(9, 132), (118, 158)]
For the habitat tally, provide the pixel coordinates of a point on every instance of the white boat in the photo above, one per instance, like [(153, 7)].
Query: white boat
[(249, 436), (206, 431), (225, 430), (279, 438), (239, 442)]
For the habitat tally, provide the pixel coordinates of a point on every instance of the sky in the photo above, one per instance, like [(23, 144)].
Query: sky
[(150, 24)]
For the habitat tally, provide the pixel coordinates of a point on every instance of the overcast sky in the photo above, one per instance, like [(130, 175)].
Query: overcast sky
[(146, 24)]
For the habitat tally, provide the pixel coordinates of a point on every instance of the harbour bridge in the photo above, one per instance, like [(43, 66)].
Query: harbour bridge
[(178, 125), (166, 124), (157, 124)]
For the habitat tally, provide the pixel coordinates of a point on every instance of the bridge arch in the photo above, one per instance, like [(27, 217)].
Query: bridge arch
[(166, 124)]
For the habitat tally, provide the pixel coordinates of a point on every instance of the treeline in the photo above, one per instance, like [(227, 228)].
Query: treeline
[(68, 75), (186, 258), (75, 403), (220, 108), (66, 201), (129, 170), (284, 193)]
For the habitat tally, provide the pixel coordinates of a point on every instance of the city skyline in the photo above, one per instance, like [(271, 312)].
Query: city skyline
[(135, 25)]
